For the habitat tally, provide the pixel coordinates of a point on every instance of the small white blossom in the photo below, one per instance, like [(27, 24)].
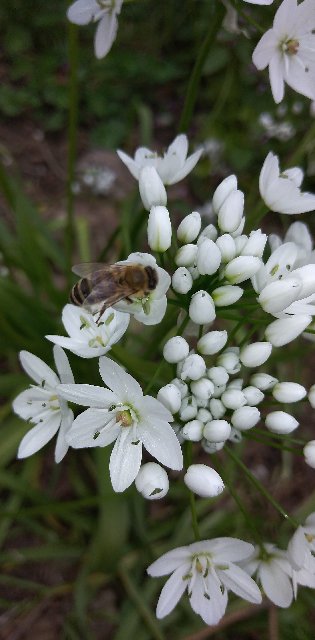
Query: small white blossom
[(212, 342), (245, 418), (152, 481), (217, 430), (311, 396), (176, 349), (263, 381), (233, 398), (288, 392), (217, 408), (255, 244), (192, 430), (255, 354), (189, 228), (82, 12), (281, 191), (159, 229), (301, 548), (231, 212), (253, 395), (274, 572), (188, 409), (227, 247), (226, 295), (186, 255), (203, 480), (202, 388), (242, 268), (284, 330), (170, 397), (309, 453), (218, 375), (151, 188), (182, 280), (201, 308), (281, 422), (208, 570), (208, 258), (230, 361), (223, 191), (122, 414), (194, 367)]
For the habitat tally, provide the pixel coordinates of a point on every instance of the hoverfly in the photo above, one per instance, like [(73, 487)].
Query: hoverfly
[(105, 285)]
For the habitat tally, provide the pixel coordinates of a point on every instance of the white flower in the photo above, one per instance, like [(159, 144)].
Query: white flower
[(193, 367), (263, 381), (274, 571), (217, 430), (301, 548), (170, 397), (227, 247), (281, 191), (106, 11), (288, 392), (208, 570), (189, 228), (88, 339), (281, 422), (255, 354), (42, 405), (233, 398), (245, 418), (309, 453), (242, 268), (152, 481), (288, 49), (208, 258), (151, 309), (202, 389), (176, 349), (311, 396), (122, 414), (212, 342), (218, 375), (203, 480), (299, 234), (159, 229), (201, 308), (186, 255), (226, 295), (182, 280), (172, 167), (192, 430), (151, 188), (285, 330), (253, 395)]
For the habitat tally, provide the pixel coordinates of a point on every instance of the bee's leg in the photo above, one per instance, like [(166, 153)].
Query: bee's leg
[(103, 308), (129, 300)]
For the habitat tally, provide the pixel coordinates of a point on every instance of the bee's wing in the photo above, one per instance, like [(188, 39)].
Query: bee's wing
[(87, 268), (107, 289)]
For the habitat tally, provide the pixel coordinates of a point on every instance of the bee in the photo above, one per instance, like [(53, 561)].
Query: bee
[(108, 284)]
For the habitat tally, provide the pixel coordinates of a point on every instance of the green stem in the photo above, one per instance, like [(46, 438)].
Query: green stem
[(137, 599), (247, 17), (72, 143), (194, 81)]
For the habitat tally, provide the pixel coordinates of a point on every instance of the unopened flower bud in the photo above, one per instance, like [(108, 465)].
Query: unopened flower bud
[(208, 232), (194, 367), (285, 330), (233, 398), (202, 388), (230, 361), (203, 481), (188, 409), (175, 349), (218, 390), (231, 211), (181, 386), (311, 396), (235, 436), (281, 422), (218, 375), (242, 268), (255, 244), (170, 397), (211, 447), (217, 431), (159, 229), (208, 257), (151, 187), (217, 408), (226, 244), (236, 383), (182, 280), (189, 228), (245, 418), (201, 308), (226, 295), (192, 430), (279, 294), (240, 243), (253, 395), (152, 481), (227, 186), (263, 381), (235, 234), (204, 415), (212, 342), (309, 453), (288, 392), (255, 354), (186, 255), (194, 272)]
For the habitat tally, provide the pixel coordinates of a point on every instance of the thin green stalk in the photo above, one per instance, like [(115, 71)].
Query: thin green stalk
[(247, 17), (194, 81), (72, 143), (258, 485), (137, 599)]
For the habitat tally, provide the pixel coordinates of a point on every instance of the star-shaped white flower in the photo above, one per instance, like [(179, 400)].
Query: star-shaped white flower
[(149, 310), (301, 548), (122, 414), (105, 11), (42, 405), (172, 167), (281, 190), (299, 233), (88, 339), (274, 571), (207, 570), (289, 49)]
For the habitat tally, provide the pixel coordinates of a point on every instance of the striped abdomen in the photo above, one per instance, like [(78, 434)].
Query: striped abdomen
[(80, 291)]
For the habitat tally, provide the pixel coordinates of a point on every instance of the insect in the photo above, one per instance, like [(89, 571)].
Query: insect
[(108, 284)]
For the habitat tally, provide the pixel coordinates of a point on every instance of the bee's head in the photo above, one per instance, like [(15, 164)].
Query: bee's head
[(152, 277)]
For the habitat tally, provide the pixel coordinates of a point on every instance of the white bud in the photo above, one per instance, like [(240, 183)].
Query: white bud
[(211, 447), (263, 381), (245, 418), (227, 186), (208, 257), (288, 392), (201, 308), (218, 390), (217, 408), (226, 295), (194, 367), (255, 244), (204, 415), (181, 386), (189, 228), (202, 388), (203, 481), (194, 272), (182, 280), (226, 244), (281, 422), (218, 375), (279, 294), (240, 243), (235, 234), (186, 255), (217, 431), (242, 268), (255, 354), (175, 349), (170, 397), (159, 229), (230, 361), (193, 430), (236, 383), (151, 187), (208, 232), (231, 211), (309, 453), (212, 342), (188, 409), (253, 396), (311, 396), (152, 481), (235, 436), (285, 330), (233, 398)]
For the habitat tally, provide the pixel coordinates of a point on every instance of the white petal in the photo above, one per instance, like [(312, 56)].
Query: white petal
[(297, 548), (172, 591), (156, 314), (160, 441), (286, 18), (37, 437), (88, 395), (231, 549), (85, 426), (62, 445), (202, 605), (105, 34), (264, 50), (156, 409), (63, 366), (38, 370), (169, 562), (276, 77), (190, 163), (125, 387), (81, 11), (72, 319), (133, 167), (125, 460), (276, 584), (240, 583)]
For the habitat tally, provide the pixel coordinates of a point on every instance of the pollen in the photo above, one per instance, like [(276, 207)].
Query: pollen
[(291, 47), (125, 418)]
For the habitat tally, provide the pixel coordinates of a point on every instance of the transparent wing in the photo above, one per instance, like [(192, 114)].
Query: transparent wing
[(87, 268)]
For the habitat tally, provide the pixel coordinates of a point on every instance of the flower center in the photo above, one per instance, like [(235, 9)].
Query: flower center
[(53, 403), (124, 418), (309, 537), (97, 342), (290, 46)]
